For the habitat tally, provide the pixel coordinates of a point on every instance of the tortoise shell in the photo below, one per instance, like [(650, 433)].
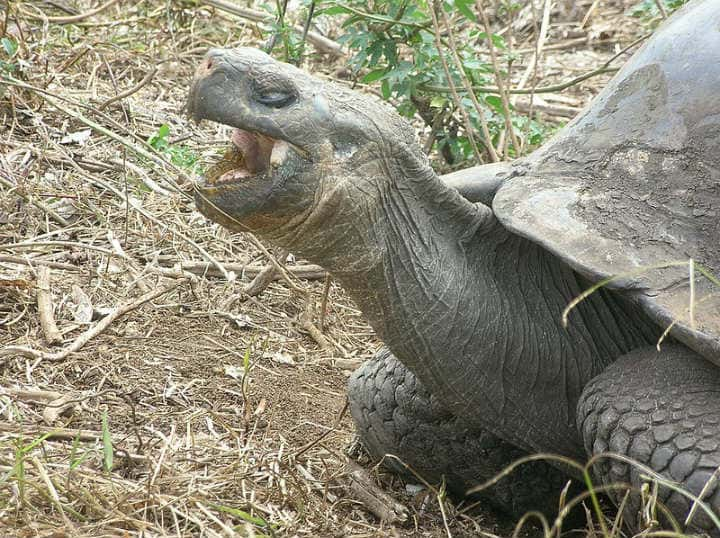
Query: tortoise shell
[(629, 191)]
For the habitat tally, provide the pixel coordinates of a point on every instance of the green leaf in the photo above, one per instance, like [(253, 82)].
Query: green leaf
[(495, 103), (497, 40), (246, 360), (18, 469), (334, 10), (463, 6), (107, 444), (385, 89), (375, 74), (242, 514), (159, 139), (163, 131), (8, 67), (9, 45), (438, 101)]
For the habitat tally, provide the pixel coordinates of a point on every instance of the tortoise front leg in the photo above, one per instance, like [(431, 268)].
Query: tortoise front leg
[(394, 414), (661, 409)]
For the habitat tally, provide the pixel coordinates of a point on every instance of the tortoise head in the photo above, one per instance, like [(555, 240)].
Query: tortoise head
[(296, 140)]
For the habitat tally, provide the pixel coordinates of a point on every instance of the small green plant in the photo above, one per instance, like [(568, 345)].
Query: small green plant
[(76, 456), (179, 155), (247, 518), (17, 471), (648, 10), (393, 44), (107, 444), (9, 48)]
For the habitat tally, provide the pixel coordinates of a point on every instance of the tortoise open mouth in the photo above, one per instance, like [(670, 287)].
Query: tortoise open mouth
[(250, 155)]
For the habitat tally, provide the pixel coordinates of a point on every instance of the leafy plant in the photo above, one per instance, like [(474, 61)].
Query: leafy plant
[(393, 45), (9, 48), (292, 43), (17, 471), (179, 155), (648, 10)]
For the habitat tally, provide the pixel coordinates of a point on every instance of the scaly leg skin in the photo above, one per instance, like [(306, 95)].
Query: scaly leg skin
[(663, 410), (395, 415)]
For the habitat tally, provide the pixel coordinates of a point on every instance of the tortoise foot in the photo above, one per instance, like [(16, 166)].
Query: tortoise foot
[(662, 409), (394, 414)]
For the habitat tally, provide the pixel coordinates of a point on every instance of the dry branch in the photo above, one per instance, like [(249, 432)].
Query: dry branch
[(552, 88), (266, 275), (498, 79), (72, 18), (127, 93), (53, 492), (305, 319), (45, 307), (374, 498), (321, 43), (42, 207), (307, 272), (65, 434), (559, 111), (40, 396), (453, 90), (144, 150), (37, 262)]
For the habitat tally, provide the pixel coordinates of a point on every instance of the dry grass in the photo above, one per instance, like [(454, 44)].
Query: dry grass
[(223, 417)]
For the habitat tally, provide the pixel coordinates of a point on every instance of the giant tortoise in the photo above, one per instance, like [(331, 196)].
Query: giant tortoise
[(465, 278)]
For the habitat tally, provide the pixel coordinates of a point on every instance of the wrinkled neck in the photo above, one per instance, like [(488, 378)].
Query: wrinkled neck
[(362, 226), (415, 256)]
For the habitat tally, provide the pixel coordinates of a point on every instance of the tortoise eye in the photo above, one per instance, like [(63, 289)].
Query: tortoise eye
[(275, 99)]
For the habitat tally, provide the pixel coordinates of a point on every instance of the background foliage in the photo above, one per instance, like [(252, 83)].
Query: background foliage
[(393, 47)]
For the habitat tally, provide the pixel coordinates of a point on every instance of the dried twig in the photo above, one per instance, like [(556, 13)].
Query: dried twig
[(51, 489), (532, 67), (45, 307), (54, 215), (588, 13), (374, 498), (64, 434), (498, 78), (307, 272), (305, 319), (38, 262), (127, 93), (661, 8), (553, 88), (321, 43), (73, 18), (266, 275), (326, 433), (142, 174), (146, 151), (558, 111), (324, 302)]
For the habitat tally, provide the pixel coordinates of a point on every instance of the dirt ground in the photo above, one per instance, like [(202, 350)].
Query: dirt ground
[(172, 403)]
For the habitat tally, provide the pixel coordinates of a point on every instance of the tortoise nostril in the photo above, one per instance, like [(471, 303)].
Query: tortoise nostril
[(206, 67)]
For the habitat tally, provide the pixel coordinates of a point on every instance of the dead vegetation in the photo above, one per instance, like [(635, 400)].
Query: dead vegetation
[(160, 376)]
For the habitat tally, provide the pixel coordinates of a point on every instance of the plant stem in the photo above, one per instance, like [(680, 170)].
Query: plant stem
[(525, 91)]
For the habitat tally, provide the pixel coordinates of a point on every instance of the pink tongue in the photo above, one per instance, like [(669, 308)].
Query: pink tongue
[(256, 149)]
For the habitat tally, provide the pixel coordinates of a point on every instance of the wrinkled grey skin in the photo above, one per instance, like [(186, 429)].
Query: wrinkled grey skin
[(467, 304)]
